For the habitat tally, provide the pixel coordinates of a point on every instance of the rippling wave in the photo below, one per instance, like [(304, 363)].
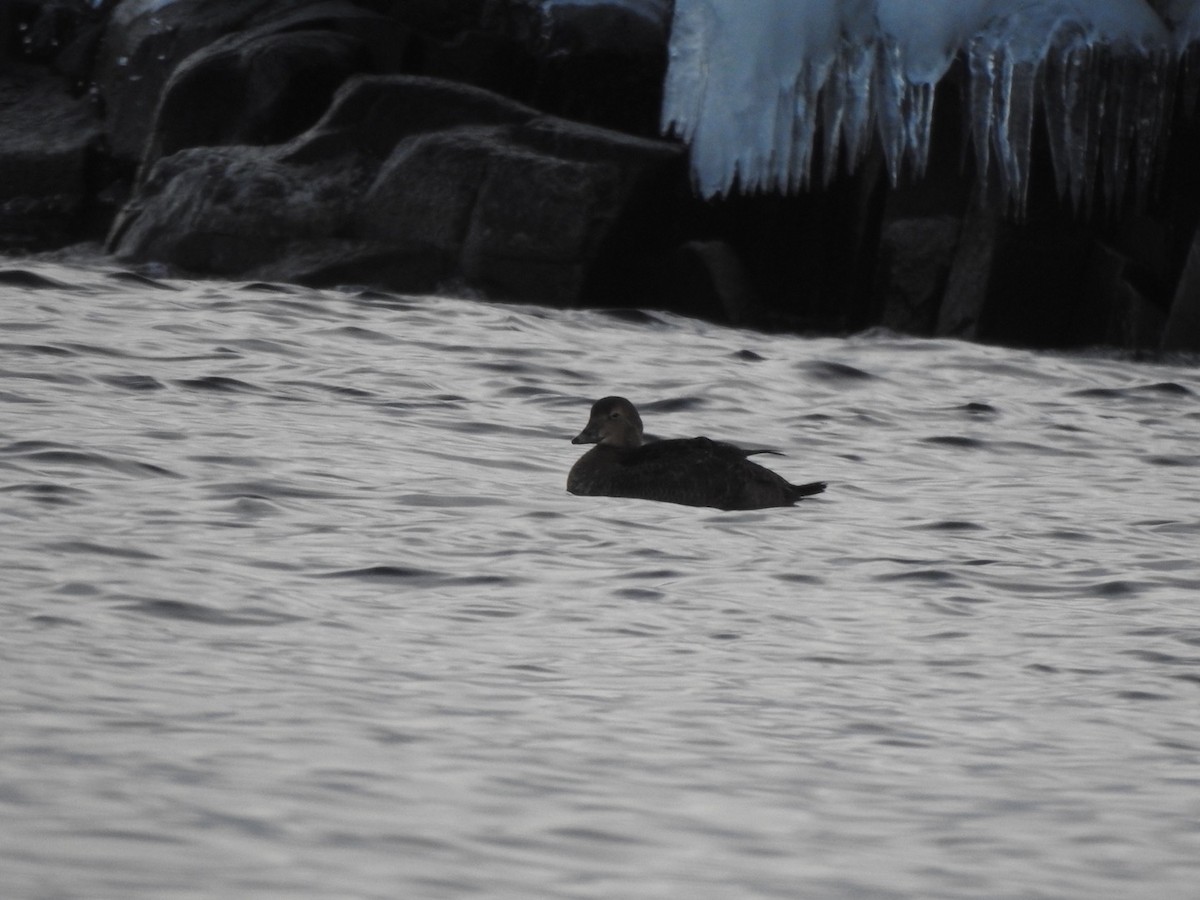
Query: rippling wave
[(296, 605)]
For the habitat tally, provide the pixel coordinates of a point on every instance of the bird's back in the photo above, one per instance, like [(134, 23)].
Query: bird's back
[(690, 471)]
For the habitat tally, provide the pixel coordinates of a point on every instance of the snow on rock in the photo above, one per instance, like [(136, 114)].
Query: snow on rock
[(752, 84)]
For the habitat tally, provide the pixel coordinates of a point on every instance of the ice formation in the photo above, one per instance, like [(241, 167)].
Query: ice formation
[(756, 87)]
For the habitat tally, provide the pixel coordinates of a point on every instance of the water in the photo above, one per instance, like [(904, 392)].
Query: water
[(295, 605)]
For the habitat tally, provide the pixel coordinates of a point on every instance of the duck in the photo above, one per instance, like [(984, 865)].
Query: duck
[(690, 471)]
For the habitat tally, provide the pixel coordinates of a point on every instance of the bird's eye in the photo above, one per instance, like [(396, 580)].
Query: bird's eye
[(614, 415)]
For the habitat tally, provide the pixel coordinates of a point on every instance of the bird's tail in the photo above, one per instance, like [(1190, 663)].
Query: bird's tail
[(807, 490)]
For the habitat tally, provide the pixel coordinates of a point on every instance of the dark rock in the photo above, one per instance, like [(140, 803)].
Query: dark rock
[(260, 90), (1136, 322), (600, 63), (809, 259), (915, 260), (143, 46), (1115, 311), (708, 279), (424, 195), (970, 274), (538, 222), (496, 53), (41, 31), (407, 183), (604, 64), (1034, 292), (224, 211), (1182, 331), (372, 115), (270, 83), (445, 19), (485, 206), (49, 144)]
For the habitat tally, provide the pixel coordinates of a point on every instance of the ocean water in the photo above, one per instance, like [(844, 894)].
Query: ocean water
[(295, 605)]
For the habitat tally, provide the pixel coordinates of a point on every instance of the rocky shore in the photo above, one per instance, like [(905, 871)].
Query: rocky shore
[(511, 149)]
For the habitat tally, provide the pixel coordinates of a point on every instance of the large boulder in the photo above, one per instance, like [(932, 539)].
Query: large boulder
[(145, 43), (229, 210), (231, 65), (603, 63), (916, 256), (49, 148), (413, 183), (267, 84), (52, 161)]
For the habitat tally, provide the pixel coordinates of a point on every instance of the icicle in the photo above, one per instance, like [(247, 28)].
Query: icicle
[(1117, 134), (834, 102), (804, 131), (982, 111), (1156, 97), (918, 40), (743, 88), (1014, 131), (1089, 61), (685, 86), (889, 106), (1067, 113), (918, 114), (753, 85), (859, 112), (1093, 94)]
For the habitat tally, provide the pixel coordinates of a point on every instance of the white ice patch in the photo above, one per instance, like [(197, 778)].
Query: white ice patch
[(753, 83)]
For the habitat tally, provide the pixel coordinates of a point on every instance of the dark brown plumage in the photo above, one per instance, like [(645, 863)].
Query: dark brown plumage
[(691, 471)]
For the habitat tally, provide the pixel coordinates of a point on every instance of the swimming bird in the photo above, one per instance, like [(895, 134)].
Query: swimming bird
[(692, 471)]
